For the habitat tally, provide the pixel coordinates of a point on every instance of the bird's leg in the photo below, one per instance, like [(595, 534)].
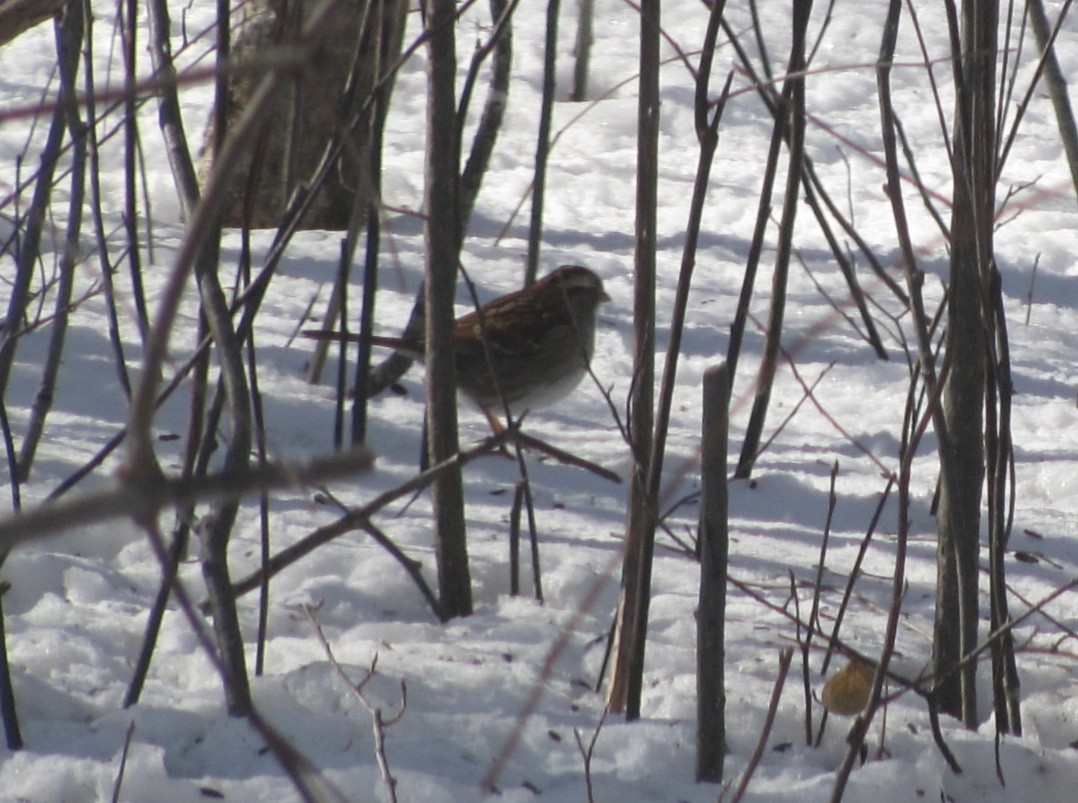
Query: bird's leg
[(498, 428)]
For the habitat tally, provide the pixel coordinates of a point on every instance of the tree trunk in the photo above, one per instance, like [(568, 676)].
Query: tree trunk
[(443, 247), (627, 676), (17, 16), (306, 116), (972, 222), (714, 540)]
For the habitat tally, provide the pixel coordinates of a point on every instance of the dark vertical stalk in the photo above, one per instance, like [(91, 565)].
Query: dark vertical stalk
[(181, 528), (442, 241), (1056, 82), (926, 369), (855, 572), (911, 441), (973, 211), (131, 146), (367, 302), (814, 625), (344, 272), (1000, 465), (514, 539), (388, 30), (707, 135), (785, 657), (263, 509), (756, 245), (582, 49), (714, 541), (30, 243), (204, 249), (627, 675), (69, 35), (630, 666), (359, 122), (542, 148), (367, 54), (70, 38), (214, 540), (500, 43), (8, 712), (792, 114), (96, 212)]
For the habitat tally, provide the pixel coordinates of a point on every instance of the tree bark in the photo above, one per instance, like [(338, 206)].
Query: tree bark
[(627, 675), (18, 16), (443, 247), (306, 115), (955, 631), (1056, 82), (714, 539)]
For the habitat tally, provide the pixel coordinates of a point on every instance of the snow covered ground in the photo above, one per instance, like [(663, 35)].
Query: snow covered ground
[(76, 607)]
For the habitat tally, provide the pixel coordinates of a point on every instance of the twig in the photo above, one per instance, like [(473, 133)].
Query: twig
[(555, 652), (806, 395), (144, 499), (543, 144), (1032, 284), (582, 50), (937, 736), (648, 424), (627, 673), (805, 644), (378, 724), (814, 190), (410, 566), (70, 37), (309, 783), (563, 456), (132, 156), (118, 783), (358, 518), (141, 458), (514, 539), (29, 250), (790, 124), (921, 685), (856, 571), (500, 42), (259, 419), (832, 500), (96, 211), (587, 752), (1046, 62), (784, 666), (8, 712)]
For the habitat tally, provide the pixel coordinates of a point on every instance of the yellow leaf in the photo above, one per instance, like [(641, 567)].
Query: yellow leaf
[(847, 692)]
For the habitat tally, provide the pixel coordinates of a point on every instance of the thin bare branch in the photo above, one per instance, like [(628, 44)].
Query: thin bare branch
[(143, 499)]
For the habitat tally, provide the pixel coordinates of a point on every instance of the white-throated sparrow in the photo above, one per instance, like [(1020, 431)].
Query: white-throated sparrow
[(539, 341)]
